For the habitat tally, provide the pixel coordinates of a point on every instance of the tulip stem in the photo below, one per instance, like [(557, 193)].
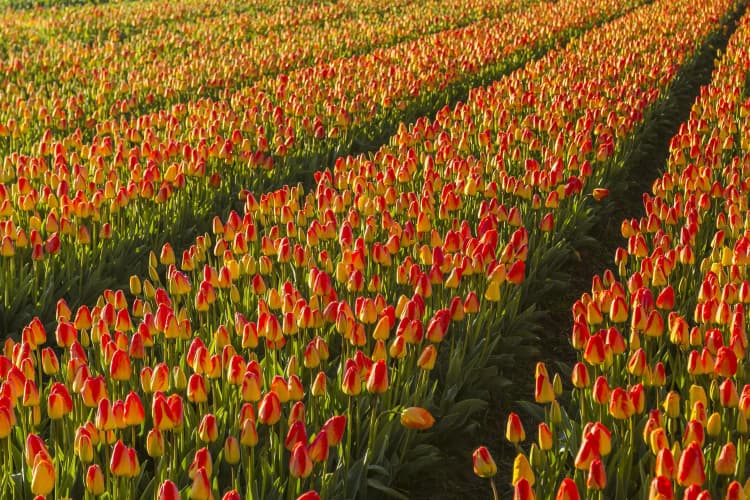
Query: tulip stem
[(494, 489)]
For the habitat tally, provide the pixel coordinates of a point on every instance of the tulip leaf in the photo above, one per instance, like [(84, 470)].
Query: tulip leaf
[(390, 492)]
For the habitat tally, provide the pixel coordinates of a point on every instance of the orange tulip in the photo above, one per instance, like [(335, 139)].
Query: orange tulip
[(43, 477), (567, 490), (523, 490), (335, 427), (661, 489), (168, 491), (597, 478), (514, 431), (416, 418), (691, 469), (377, 381), (269, 410)]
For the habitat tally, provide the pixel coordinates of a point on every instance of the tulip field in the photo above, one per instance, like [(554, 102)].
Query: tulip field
[(303, 250)]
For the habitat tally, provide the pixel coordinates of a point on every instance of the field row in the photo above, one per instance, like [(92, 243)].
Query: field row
[(660, 394)]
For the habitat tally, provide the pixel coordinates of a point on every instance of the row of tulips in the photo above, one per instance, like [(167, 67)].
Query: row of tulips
[(79, 204), (660, 395), (186, 52), (297, 346)]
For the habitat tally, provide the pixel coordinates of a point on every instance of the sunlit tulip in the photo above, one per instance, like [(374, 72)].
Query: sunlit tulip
[(514, 431), (522, 469), (484, 465), (567, 490), (690, 470), (416, 418), (43, 477)]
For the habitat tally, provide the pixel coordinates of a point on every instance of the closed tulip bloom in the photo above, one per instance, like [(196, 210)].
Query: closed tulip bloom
[(134, 412), (155, 443), (580, 376), (335, 427), (523, 490), (735, 491), (168, 491), (597, 478), (727, 460), (59, 401), (201, 487), (269, 410), (514, 431), (620, 405), (725, 364), (50, 363), (661, 489), (428, 357), (522, 469), (543, 393), (119, 464), (587, 452), (95, 480), (7, 420), (351, 384), (665, 465), (601, 391), (594, 353), (43, 477), (658, 440), (196, 389), (300, 464), (319, 385), (417, 418), (232, 450), (691, 469), (694, 433), (600, 435), (249, 433), (672, 404), (119, 367), (728, 396), (296, 434), (208, 429), (201, 460), (484, 464), (545, 437), (713, 427), (567, 490), (318, 449), (377, 382)]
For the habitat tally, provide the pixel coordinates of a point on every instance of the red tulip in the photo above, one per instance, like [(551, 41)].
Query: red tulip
[(567, 490), (484, 464), (416, 418), (300, 464), (514, 431), (269, 410)]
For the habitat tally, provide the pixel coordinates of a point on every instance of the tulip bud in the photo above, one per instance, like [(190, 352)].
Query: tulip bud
[(567, 490), (690, 470), (95, 480), (484, 464), (514, 431), (416, 418), (522, 469)]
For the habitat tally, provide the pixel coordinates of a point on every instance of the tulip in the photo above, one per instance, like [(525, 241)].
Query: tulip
[(155, 443), (95, 480), (249, 433), (319, 448), (168, 491), (567, 490), (484, 465), (727, 460), (232, 450), (545, 437), (597, 478), (335, 427), (201, 487), (119, 367), (377, 382), (514, 431), (523, 490), (269, 410), (416, 418), (661, 489), (300, 464), (119, 463), (196, 389), (208, 429), (665, 465), (544, 392), (522, 469), (690, 470), (43, 477)]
